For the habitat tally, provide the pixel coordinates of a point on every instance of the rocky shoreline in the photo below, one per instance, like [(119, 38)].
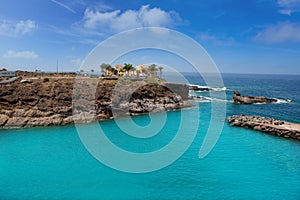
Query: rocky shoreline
[(46, 101), (267, 125)]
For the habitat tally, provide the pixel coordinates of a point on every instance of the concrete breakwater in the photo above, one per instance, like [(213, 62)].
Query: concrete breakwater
[(267, 125), (46, 101)]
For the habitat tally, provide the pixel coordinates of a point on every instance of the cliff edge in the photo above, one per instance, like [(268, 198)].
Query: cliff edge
[(45, 101)]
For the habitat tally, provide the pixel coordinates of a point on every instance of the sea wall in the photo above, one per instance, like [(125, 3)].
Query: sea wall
[(267, 125), (42, 101)]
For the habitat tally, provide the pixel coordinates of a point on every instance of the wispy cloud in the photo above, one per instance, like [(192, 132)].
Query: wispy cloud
[(215, 40), (220, 14), (8, 28), (63, 6), (288, 7), (280, 33), (89, 42), (20, 54), (61, 31), (103, 7), (116, 20)]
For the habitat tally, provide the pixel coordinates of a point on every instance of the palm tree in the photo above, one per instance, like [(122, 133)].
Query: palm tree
[(110, 69), (121, 71), (160, 71), (128, 67), (104, 67), (153, 70)]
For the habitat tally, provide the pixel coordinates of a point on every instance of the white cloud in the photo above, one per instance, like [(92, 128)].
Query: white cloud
[(279, 33), (8, 28), (20, 54), (116, 20), (24, 27), (63, 6), (215, 40), (288, 7)]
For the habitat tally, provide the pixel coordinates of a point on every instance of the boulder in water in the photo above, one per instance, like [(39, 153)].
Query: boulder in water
[(239, 99)]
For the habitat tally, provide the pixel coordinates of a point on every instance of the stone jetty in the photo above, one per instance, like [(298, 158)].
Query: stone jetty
[(267, 125)]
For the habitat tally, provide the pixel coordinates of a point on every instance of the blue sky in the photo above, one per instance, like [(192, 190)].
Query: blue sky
[(253, 36)]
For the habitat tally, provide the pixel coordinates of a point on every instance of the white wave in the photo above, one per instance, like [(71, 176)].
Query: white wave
[(201, 88), (219, 89), (283, 100), (208, 99), (259, 103), (279, 101)]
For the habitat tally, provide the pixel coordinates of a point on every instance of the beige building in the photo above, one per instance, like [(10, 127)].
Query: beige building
[(117, 70), (142, 70)]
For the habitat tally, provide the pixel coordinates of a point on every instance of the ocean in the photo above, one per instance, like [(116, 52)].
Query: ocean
[(53, 163)]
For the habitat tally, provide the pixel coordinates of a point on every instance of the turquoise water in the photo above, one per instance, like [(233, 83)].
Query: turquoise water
[(52, 163)]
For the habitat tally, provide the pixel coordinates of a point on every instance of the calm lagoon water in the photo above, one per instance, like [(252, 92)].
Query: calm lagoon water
[(52, 163)]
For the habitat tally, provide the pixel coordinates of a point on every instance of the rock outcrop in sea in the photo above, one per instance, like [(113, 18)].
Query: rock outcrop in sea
[(45, 101), (267, 125), (239, 99)]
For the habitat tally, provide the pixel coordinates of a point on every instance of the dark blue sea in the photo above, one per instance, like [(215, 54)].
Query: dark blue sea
[(54, 163)]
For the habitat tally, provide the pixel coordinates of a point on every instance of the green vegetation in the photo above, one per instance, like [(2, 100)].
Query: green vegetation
[(128, 67), (124, 81), (152, 69), (152, 80), (104, 67), (128, 70)]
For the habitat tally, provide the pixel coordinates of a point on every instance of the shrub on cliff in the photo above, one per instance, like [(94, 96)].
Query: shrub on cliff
[(124, 81), (152, 80)]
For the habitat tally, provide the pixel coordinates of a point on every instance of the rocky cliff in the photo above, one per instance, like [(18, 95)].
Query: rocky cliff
[(42, 101)]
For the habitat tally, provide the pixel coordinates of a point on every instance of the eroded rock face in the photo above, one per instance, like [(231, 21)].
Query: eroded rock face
[(152, 98), (239, 99), (44, 103)]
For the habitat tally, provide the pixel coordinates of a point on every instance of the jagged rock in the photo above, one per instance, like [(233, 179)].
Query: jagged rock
[(67, 120), (239, 99), (16, 122), (3, 119)]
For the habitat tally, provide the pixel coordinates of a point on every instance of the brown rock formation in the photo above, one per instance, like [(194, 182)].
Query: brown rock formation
[(45, 101), (239, 99)]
